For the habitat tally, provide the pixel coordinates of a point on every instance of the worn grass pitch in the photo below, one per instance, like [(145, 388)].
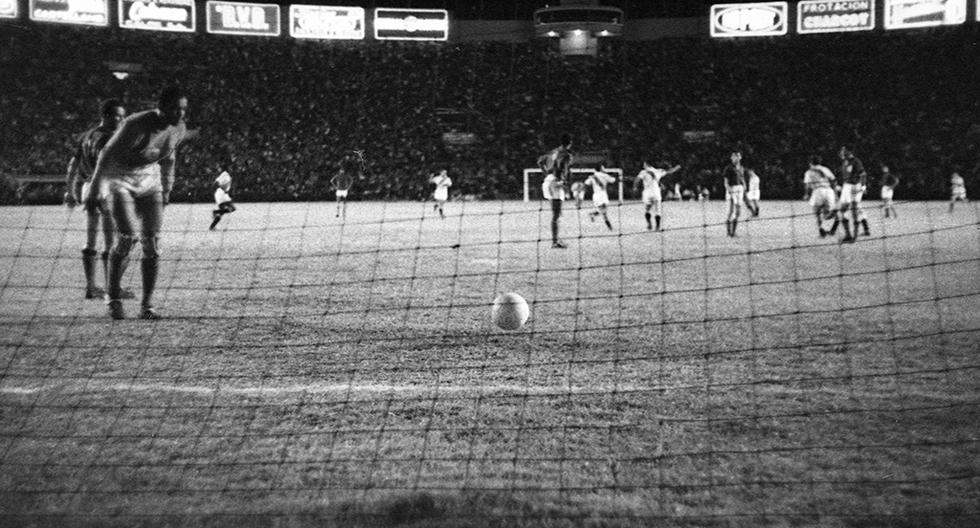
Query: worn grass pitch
[(314, 371)]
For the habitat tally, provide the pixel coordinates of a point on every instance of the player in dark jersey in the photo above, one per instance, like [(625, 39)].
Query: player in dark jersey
[(134, 176), (556, 167), (888, 183), (80, 169), (734, 179), (854, 180)]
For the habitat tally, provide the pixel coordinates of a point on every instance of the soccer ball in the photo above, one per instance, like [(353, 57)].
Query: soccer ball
[(510, 311)]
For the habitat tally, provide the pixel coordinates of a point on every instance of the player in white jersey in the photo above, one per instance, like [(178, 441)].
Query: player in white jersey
[(752, 194), (957, 188), (134, 176), (734, 179), (221, 197), (80, 169), (443, 182), (819, 183), (649, 178), (600, 180), (578, 193)]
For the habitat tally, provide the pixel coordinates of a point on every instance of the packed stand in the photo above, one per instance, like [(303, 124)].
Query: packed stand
[(290, 112)]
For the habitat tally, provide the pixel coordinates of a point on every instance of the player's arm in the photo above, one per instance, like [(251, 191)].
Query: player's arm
[(71, 179), (672, 170), (168, 167)]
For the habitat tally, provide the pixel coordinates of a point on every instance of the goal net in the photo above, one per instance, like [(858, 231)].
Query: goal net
[(533, 178)]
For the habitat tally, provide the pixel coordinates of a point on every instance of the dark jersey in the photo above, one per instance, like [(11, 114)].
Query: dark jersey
[(557, 162), (88, 148), (889, 180), (852, 171), (342, 181), (734, 175)]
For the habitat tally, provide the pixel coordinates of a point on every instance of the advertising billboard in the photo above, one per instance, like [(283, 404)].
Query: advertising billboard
[(8, 9), (237, 18), (326, 22), (85, 12), (411, 24), (901, 14), (758, 19), (158, 15), (834, 16)]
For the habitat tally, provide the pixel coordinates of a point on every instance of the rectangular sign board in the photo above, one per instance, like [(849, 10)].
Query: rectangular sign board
[(834, 16), (411, 24), (237, 18), (326, 22), (757, 19), (84, 12), (901, 14), (158, 15), (8, 9)]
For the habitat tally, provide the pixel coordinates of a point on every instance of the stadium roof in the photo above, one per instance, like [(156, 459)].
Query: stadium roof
[(524, 9)]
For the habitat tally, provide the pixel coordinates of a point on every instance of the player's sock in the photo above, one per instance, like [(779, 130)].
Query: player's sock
[(217, 218), (150, 267), (734, 226), (88, 265), (608, 223), (864, 224), (833, 227), (657, 218), (647, 216), (117, 267), (755, 212), (847, 228), (105, 269), (728, 227), (554, 231)]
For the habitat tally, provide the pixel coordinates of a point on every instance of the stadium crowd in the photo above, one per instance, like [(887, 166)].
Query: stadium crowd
[(289, 113)]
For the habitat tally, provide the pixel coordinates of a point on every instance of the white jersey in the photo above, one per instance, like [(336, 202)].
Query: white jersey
[(753, 192), (600, 181), (221, 193), (442, 183), (819, 180), (651, 183)]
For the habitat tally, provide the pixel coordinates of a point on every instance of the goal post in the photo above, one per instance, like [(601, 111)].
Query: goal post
[(533, 178)]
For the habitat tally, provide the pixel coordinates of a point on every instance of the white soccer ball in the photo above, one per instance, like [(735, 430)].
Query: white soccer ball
[(510, 311)]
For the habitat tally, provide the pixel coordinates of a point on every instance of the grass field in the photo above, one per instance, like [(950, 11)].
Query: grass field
[(318, 372)]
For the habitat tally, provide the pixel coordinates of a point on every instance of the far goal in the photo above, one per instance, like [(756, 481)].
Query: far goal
[(534, 177)]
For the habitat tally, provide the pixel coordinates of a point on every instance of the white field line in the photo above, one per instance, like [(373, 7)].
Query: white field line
[(316, 388)]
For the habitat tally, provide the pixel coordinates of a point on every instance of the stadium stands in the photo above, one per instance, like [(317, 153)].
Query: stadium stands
[(289, 112)]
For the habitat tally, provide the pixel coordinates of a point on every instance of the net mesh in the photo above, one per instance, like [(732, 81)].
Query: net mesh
[(313, 369)]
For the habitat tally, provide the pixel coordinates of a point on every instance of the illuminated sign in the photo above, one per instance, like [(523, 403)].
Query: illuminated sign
[(235, 18), (8, 8), (87, 12), (833, 16), (158, 15), (326, 22), (411, 24), (760, 19), (901, 14)]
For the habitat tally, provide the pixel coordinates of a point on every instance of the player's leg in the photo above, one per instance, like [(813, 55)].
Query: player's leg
[(122, 208), (216, 216), (555, 214), (149, 209), (605, 215), (658, 206), (647, 204), (90, 255)]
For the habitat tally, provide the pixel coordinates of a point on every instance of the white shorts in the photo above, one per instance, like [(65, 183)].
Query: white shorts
[(887, 192), (441, 194), (341, 194), (735, 194), (753, 195), (651, 196), (600, 198), (851, 192), (823, 197), (552, 188), (959, 193)]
